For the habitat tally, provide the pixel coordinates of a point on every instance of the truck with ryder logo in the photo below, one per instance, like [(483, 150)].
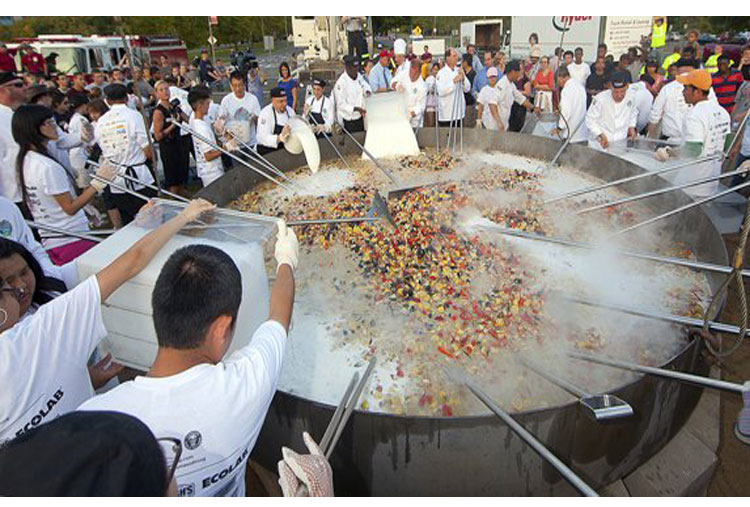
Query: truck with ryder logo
[(587, 32)]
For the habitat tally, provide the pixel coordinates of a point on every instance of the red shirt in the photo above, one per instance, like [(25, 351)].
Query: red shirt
[(548, 80), (7, 63), (726, 88), (33, 63)]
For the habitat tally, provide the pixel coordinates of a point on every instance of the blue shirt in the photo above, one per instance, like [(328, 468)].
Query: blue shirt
[(481, 80), (288, 86), (255, 86), (380, 77)]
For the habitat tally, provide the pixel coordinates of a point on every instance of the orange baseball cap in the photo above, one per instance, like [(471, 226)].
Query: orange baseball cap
[(700, 78)]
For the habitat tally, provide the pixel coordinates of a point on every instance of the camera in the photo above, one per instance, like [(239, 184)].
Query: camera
[(176, 111)]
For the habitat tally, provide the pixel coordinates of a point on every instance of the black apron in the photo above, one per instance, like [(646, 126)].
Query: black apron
[(276, 131), (318, 117)]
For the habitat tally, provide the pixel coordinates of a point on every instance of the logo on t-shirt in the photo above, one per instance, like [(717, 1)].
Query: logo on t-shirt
[(5, 229), (193, 440), (186, 489)]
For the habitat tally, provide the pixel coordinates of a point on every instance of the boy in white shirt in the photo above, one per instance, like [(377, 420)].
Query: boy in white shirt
[(488, 103), (215, 405), (207, 158)]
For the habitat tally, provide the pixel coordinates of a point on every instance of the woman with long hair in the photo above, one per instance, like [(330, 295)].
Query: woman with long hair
[(174, 156), (46, 187), (652, 69), (544, 84), (289, 84)]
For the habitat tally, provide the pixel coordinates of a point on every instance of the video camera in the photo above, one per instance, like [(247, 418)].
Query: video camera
[(244, 61), (176, 111)]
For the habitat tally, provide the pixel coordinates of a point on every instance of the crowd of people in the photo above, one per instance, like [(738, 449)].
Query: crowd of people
[(71, 146)]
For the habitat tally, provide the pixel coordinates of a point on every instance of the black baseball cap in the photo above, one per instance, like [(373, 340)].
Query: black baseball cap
[(278, 92), (619, 79), (352, 61), (319, 82)]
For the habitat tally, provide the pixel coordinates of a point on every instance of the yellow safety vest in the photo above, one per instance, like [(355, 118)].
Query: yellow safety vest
[(670, 60), (712, 64), (658, 35)]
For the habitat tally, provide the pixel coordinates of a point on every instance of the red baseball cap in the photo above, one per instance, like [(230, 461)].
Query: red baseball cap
[(384, 52)]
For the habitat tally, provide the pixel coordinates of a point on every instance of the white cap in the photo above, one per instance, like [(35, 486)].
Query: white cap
[(399, 47)]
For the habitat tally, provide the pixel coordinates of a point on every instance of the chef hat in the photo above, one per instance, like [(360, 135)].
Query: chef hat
[(399, 47)]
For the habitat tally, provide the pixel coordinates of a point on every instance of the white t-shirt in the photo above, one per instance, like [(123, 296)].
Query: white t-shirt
[(44, 179), (78, 155), (14, 228), (9, 186), (579, 72), (217, 411), (489, 95), (121, 135), (208, 170), (745, 146), (241, 116), (43, 359), (707, 123)]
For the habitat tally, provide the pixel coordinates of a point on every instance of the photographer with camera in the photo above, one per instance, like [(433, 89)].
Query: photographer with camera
[(172, 145)]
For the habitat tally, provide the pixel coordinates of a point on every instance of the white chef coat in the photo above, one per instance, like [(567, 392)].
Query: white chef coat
[(9, 186), (579, 72), (14, 227), (416, 97), (708, 123), (267, 121), (207, 170), (644, 100), (241, 116), (489, 95), (508, 94), (44, 179), (121, 135), (217, 411), (670, 107), (612, 119), (446, 92), (43, 360), (573, 108), (324, 106), (349, 93)]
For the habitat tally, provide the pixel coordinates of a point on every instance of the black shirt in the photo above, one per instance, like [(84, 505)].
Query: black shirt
[(204, 67), (595, 82)]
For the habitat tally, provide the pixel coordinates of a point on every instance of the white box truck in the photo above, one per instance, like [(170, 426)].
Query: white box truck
[(587, 32)]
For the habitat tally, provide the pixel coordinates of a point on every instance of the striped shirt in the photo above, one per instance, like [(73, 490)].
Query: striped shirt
[(726, 88)]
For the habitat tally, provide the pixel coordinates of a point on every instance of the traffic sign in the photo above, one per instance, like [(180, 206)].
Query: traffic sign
[(212, 40)]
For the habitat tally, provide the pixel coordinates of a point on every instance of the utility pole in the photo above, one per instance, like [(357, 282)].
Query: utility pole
[(211, 39)]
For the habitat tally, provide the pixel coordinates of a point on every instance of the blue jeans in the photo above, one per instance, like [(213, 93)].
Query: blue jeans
[(739, 178)]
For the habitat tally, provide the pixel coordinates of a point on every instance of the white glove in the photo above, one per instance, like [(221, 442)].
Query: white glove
[(287, 247), (662, 154), (107, 170), (319, 129), (219, 126), (745, 166), (306, 110), (305, 474), (87, 133), (285, 133), (231, 145)]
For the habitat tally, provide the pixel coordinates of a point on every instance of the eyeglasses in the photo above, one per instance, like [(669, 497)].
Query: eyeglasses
[(177, 450), (14, 291)]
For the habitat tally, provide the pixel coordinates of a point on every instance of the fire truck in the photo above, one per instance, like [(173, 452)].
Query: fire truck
[(76, 53)]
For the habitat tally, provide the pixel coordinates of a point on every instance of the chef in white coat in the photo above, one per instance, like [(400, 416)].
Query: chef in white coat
[(399, 58), (644, 100), (349, 96), (449, 78), (273, 128), (319, 109), (509, 94), (612, 116), (412, 84), (704, 133), (572, 107)]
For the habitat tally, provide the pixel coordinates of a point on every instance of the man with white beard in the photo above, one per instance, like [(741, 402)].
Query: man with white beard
[(449, 78), (412, 84)]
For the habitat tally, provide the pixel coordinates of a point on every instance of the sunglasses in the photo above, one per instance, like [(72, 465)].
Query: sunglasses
[(177, 450), (15, 84)]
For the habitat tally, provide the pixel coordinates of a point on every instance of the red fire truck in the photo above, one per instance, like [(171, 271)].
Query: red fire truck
[(76, 53)]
